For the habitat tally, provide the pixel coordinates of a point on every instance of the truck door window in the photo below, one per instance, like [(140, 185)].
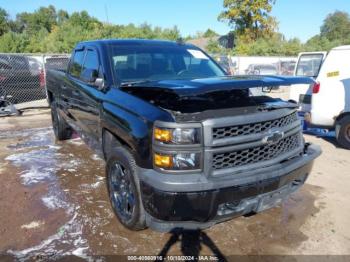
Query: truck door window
[(91, 61), (77, 63), (309, 65)]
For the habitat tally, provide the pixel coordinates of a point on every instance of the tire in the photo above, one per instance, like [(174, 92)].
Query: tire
[(60, 127), (343, 132), (124, 189)]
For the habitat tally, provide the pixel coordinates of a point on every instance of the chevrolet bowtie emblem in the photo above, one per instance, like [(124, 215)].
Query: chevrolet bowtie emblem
[(273, 138)]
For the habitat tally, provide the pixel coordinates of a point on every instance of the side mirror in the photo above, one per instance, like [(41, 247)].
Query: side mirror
[(99, 83), (89, 75)]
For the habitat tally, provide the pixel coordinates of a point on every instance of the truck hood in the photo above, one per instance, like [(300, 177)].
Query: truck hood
[(208, 94), (195, 87)]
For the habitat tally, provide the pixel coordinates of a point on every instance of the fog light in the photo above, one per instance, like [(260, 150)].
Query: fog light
[(164, 161)]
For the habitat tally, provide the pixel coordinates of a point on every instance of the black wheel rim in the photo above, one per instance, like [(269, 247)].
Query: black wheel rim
[(121, 192), (347, 133)]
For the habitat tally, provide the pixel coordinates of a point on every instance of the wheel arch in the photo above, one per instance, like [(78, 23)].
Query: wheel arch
[(110, 140), (342, 116), (50, 97)]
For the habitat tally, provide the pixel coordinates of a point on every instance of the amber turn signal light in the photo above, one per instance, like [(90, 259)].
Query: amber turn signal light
[(162, 135), (164, 161)]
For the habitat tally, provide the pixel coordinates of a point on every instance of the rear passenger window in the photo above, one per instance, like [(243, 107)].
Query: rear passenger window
[(77, 63)]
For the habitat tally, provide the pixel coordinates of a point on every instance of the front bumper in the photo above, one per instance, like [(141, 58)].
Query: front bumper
[(200, 202)]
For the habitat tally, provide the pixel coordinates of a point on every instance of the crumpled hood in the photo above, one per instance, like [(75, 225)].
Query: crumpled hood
[(199, 95), (193, 87)]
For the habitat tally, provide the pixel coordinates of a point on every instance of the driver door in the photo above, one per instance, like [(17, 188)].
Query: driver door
[(86, 97)]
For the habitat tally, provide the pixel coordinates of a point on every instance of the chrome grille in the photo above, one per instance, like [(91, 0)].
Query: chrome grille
[(253, 128), (256, 154)]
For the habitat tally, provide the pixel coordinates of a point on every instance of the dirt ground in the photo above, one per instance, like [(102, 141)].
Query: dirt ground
[(53, 201)]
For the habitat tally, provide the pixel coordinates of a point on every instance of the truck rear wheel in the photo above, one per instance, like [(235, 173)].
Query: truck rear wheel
[(60, 127), (343, 132), (124, 189)]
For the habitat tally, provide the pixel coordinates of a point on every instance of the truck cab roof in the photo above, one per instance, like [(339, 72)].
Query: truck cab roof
[(145, 42)]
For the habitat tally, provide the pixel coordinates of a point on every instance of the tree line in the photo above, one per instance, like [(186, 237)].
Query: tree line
[(47, 30), (256, 31)]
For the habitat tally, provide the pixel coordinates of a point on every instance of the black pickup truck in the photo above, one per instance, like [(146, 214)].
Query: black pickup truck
[(186, 146)]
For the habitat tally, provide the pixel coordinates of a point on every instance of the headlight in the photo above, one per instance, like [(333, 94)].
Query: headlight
[(178, 136), (178, 161)]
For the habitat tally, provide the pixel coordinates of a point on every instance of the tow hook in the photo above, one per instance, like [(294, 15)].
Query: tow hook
[(306, 146)]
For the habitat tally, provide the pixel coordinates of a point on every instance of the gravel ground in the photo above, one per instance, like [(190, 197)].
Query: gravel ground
[(53, 201)]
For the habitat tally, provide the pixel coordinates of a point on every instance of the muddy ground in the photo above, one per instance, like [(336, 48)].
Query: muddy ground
[(53, 201)]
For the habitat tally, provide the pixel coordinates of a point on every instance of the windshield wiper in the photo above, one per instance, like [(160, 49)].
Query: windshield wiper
[(131, 83)]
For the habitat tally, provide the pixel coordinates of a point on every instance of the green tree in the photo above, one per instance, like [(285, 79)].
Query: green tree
[(4, 21), (63, 38), (321, 43), (13, 42), (171, 34), (84, 20), (274, 45), (250, 19), (210, 33), (36, 42), (291, 47), (336, 26), (335, 31), (48, 30), (62, 16), (44, 17), (213, 47)]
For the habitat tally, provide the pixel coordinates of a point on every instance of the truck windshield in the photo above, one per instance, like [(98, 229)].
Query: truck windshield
[(149, 63), (309, 65)]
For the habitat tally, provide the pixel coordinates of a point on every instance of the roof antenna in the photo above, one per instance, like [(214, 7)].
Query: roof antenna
[(106, 12)]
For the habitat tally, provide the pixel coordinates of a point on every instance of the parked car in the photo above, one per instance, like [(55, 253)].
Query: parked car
[(21, 79), (261, 69), (186, 145), (326, 104)]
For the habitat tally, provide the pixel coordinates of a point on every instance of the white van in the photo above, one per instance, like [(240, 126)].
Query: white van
[(326, 104)]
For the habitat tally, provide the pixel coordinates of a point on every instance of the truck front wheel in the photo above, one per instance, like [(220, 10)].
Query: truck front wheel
[(60, 127), (124, 189), (343, 132)]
